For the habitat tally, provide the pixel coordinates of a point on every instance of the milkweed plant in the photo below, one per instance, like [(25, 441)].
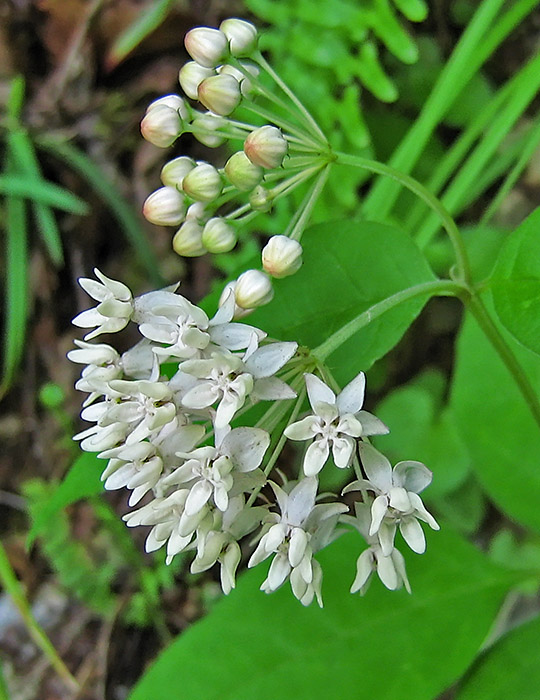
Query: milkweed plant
[(172, 416)]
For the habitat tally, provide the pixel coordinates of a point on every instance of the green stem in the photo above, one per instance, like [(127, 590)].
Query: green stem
[(484, 320), (299, 226), (428, 197), (14, 589), (428, 289)]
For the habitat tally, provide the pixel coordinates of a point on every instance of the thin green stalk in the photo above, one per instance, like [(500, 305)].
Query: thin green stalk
[(14, 589), (307, 117), (292, 182), (484, 320), (433, 203), (299, 226), (3, 686), (446, 288), (532, 143), (487, 29)]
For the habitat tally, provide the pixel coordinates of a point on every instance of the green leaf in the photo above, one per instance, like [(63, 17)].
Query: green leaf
[(348, 267), (81, 481), (509, 670), (151, 16), (258, 647), (42, 191), (496, 424), (424, 430), (516, 283)]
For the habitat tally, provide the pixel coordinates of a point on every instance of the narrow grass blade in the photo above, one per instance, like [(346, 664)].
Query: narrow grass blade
[(16, 300), (15, 101), (25, 162), (151, 17), (14, 589), (42, 191), (483, 35), (3, 687), (123, 213)]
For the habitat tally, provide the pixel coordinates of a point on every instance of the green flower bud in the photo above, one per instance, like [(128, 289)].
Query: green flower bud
[(220, 94), (173, 172), (253, 288), (205, 127), (203, 183), (242, 173), (261, 199), (266, 147), (187, 240), (207, 46), (191, 76), (242, 36), (218, 236), (165, 207), (282, 256)]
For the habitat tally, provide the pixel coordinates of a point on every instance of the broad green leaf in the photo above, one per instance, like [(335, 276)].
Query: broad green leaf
[(81, 481), (509, 670), (259, 647), (496, 424), (348, 267), (422, 429), (41, 191), (516, 283)]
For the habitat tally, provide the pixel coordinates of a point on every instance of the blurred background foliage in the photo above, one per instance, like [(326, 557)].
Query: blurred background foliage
[(75, 78)]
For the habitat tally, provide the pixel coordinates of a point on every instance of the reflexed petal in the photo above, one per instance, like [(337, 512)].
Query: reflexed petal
[(326, 411), (198, 497), (379, 508), (260, 554), (229, 563), (351, 398), (318, 391), (234, 336), (275, 536), (305, 567), (387, 572), (364, 568), (118, 289), (421, 512), (399, 564), (413, 476), (88, 319), (228, 406), (278, 572), (201, 396), (342, 450), (298, 585), (349, 425), (221, 497), (387, 534), (94, 289), (316, 457), (371, 425), (303, 429), (297, 546), (378, 469), (413, 534), (267, 360)]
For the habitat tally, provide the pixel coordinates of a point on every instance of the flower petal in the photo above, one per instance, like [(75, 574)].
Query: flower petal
[(413, 476), (351, 398), (316, 457), (318, 391), (378, 469)]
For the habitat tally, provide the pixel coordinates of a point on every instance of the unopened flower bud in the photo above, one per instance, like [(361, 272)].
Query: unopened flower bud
[(173, 172), (242, 173), (203, 183), (261, 199), (174, 102), (253, 288), (246, 86), (205, 128), (220, 94), (197, 212), (266, 147), (165, 207), (282, 256), (242, 36), (239, 312), (191, 76), (218, 236), (187, 240), (161, 126), (207, 46)]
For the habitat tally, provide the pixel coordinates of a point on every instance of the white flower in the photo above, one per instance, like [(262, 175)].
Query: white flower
[(336, 422), (302, 529), (115, 306), (281, 256), (103, 364), (390, 568), (397, 502)]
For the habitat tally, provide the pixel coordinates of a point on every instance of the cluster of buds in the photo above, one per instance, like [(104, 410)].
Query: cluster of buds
[(210, 205), (177, 441)]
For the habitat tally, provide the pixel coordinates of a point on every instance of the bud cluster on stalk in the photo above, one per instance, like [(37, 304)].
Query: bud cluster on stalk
[(209, 205), (181, 442)]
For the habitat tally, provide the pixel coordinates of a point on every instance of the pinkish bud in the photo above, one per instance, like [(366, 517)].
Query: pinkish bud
[(220, 94), (266, 147), (282, 256), (207, 46)]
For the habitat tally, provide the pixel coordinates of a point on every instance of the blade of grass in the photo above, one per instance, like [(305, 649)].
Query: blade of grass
[(15, 102), (16, 300), (26, 162), (530, 146), (483, 35), (150, 18), (42, 191), (123, 213), (3, 686), (13, 588), (457, 195)]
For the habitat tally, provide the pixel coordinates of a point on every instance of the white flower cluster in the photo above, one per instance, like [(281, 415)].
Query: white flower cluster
[(208, 205), (171, 441)]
